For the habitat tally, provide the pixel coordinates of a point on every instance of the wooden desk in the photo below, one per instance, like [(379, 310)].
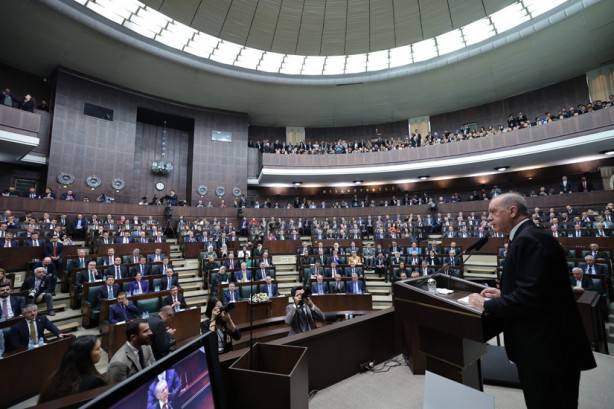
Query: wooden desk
[(23, 374), (105, 304), (186, 322), (192, 250), (341, 302)]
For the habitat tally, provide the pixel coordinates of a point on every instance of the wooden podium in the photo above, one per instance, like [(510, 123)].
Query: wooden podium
[(440, 333)]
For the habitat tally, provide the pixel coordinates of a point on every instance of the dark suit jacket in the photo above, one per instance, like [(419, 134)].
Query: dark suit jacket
[(349, 287), (164, 282), (161, 341), (135, 268), (599, 268), (29, 283), (17, 303), (537, 309), (19, 334), (111, 271), (51, 270), (103, 294), (83, 277), (120, 240), (118, 314), (337, 289), (168, 300), (315, 287), (227, 296), (30, 243), (49, 249), (14, 243), (73, 225), (275, 292), (587, 283)]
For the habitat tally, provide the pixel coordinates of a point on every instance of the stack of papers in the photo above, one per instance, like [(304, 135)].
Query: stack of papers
[(444, 291)]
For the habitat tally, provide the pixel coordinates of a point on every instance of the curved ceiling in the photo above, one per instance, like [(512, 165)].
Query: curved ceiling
[(326, 27), (560, 51)]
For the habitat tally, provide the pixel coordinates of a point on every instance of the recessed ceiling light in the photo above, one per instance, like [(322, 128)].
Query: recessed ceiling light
[(609, 152), (502, 168), (425, 177), (297, 183), (358, 182)]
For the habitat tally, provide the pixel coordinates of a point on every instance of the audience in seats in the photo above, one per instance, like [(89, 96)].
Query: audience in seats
[(135, 355), (416, 140), (77, 371), (579, 281), (124, 310), (37, 289), (31, 330), (175, 300)]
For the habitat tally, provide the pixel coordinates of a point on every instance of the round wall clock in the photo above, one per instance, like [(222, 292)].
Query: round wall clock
[(160, 186)]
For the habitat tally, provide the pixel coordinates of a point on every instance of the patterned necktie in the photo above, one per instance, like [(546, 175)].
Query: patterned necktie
[(31, 324)]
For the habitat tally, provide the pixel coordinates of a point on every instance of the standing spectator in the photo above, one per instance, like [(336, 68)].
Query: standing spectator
[(162, 340), (8, 99), (219, 322), (135, 355), (77, 371), (28, 103)]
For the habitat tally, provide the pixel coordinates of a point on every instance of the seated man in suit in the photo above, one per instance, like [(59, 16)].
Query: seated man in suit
[(242, 275), (337, 286), (79, 262), (596, 252), (332, 271), (231, 294), (156, 257), (50, 272), (163, 340), (578, 281), (353, 269), (453, 246), (262, 272), (104, 238), (138, 286), (414, 260), (269, 288), (577, 232), (135, 257), (142, 267), (31, 330), (600, 230), (169, 281), (423, 270), (355, 286), (124, 310), (413, 249), (142, 238), (8, 241), (454, 263), (127, 360), (10, 305), (79, 226), (37, 289), (319, 287), (109, 290), (175, 300), (108, 259), (166, 264), (394, 248), (117, 270), (124, 238), (368, 252), (90, 275), (34, 241), (591, 268), (503, 250), (231, 263), (158, 237)]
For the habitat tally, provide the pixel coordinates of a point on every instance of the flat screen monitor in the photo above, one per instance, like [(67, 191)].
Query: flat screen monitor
[(188, 378)]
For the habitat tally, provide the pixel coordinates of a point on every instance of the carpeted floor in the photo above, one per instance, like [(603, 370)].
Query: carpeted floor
[(399, 388)]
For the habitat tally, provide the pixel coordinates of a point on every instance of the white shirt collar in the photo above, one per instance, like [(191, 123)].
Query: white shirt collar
[(516, 227)]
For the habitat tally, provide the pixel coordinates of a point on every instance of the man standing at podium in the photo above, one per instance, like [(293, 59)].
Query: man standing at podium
[(536, 309)]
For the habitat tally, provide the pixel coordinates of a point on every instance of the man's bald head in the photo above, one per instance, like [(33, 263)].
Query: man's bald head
[(512, 199), (507, 210)]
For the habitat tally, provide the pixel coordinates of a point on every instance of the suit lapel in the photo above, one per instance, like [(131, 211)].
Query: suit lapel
[(132, 357)]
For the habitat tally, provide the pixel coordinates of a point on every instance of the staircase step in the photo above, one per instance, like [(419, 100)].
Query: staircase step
[(284, 259), (382, 298), (378, 291), (197, 301), (380, 306), (66, 316), (195, 293)]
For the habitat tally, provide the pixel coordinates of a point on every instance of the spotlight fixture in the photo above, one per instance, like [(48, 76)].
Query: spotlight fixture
[(297, 184), (502, 168), (608, 152), (424, 177), (358, 182)]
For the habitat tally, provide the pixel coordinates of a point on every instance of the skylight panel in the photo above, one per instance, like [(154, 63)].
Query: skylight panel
[(478, 31), (314, 65), (123, 8), (150, 18), (144, 31), (271, 62), (377, 60), (293, 64), (249, 58), (400, 56), (226, 52), (202, 40), (356, 63), (509, 17), (537, 7), (424, 50), (176, 35), (106, 12), (450, 41), (334, 65)]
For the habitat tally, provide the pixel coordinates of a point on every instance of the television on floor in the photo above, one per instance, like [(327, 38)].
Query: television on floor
[(188, 378)]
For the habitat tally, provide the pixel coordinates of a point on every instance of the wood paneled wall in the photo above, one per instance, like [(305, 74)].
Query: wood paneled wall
[(84, 146), (533, 103)]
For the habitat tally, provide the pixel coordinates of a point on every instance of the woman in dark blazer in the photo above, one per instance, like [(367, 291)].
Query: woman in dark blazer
[(220, 323)]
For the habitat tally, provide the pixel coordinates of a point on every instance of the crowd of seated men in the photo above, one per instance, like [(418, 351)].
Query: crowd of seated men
[(422, 198), (415, 140), (396, 262), (216, 232)]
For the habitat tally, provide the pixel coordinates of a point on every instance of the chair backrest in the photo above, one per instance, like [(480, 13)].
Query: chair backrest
[(149, 304), (571, 253), (598, 286), (92, 295), (247, 291)]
